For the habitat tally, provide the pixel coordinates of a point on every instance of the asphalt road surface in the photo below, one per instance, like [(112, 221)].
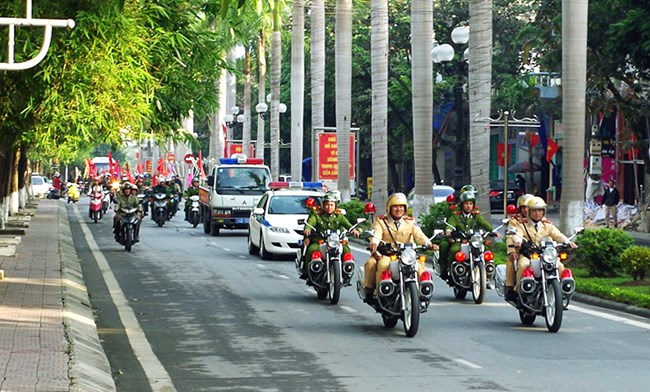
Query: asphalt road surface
[(186, 311)]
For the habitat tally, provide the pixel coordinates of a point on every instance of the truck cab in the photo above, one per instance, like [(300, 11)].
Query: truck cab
[(234, 186)]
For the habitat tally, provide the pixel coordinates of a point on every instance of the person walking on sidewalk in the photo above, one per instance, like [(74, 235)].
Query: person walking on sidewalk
[(611, 199)]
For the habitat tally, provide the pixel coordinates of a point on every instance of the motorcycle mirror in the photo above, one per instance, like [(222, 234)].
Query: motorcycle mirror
[(580, 230), (437, 232), (367, 234), (505, 221), (511, 230), (342, 211)]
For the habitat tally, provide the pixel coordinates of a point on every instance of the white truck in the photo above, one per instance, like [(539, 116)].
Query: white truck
[(234, 187)]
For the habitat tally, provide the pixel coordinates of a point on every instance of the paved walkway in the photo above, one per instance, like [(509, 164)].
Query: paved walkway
[(48, 337)]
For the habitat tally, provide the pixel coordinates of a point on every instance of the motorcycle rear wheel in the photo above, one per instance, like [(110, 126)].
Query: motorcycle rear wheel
[(554, 311), (195, 219), (479, 283), (389, 321), (335, 282), (95, 216), (128, 239), (411, 312), (526, 318), (321, 293), (460, 293)]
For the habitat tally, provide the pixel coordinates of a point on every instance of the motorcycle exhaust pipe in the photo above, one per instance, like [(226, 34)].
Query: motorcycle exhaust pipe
[(459, 269), (316, 266), (528, 285), (568, 286), (348, 268), (386, 288)]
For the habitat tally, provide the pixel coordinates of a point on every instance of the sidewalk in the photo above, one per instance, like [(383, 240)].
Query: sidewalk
[(48, 337)]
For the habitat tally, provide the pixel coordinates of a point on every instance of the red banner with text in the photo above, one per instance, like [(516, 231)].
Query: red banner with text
[(328, 156)]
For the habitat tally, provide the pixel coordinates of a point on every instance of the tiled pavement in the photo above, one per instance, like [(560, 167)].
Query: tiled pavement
[(48, 338)]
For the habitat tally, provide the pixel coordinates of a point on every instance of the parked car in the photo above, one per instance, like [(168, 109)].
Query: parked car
[(439, 194), (277, 222), (40, 186), (496, 194)]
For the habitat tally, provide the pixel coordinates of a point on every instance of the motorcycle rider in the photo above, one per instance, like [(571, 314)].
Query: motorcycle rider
[(391, 228), (516, 221), (128, 199), (467, 218), (534, 229), (175, 191), (329, 217), (191, 191), (95, 187)]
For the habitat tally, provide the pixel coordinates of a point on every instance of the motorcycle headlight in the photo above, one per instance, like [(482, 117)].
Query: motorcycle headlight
[(409, 257), (333, 240), (476, 241), (550, 255)]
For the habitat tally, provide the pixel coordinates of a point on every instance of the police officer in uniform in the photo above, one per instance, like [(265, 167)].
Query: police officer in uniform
[(517, 221), (391, 228)]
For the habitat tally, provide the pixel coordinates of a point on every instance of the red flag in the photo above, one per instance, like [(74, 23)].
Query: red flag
[(534, 139), (160, 168), (501, 154), (111, 163), (118, 170), (201, 171), (551, 149), (128, 172), (93, 170)]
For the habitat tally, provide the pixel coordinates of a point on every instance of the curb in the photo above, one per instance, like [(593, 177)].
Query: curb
[(89, 369), (604, 303)]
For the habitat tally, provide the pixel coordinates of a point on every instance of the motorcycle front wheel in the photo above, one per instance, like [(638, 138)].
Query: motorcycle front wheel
[(335, 282), (554, 310), (195, 219), (128, 238), (411, 312), (479, 283)]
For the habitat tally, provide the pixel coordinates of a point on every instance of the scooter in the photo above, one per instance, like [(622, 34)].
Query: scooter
[(73, 192), (95, 209)]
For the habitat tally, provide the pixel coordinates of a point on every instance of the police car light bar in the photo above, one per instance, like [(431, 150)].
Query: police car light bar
[(240, 160), (315, 186)]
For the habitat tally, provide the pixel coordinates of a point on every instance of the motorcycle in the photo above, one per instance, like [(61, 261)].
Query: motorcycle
[(327, 271), (73, 193), (106, 201), (542, 292), (194, 213), (473, 266), (159, 211), (401, 295), (95, 209), (175, 202), (54, 194), (128, 223)]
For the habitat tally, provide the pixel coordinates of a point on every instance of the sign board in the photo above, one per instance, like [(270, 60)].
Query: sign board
[(148, 166), (328, 156), (236, 147), (189, 159)]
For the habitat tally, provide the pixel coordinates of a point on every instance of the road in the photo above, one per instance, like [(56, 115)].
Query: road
[(189, 312)]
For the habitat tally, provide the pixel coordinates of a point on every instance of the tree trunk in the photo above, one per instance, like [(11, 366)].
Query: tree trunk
[(421, 79), (246, 129), (317, 78), (297, 87), (276, 65), (574, 69), (261, 92), (343, 93), (480, 89), (379, 71)]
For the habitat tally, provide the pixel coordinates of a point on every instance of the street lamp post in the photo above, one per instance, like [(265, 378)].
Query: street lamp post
[(446, 53), (262, 110)]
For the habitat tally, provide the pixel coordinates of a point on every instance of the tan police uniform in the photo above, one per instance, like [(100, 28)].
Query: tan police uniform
[(544, 229), (385, 228)]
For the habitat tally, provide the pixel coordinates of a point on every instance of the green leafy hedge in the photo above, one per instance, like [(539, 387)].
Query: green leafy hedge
[(599, 251), (636, 261)]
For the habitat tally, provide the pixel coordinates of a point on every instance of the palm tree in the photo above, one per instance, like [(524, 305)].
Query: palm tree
[(421, 79), (317, 77), (297, 86), (480, 89), (276, 65), (343, 92), (574, 70), (379, 72), (261, 90)]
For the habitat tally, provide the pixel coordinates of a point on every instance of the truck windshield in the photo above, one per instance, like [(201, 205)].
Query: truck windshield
[(242, 180)]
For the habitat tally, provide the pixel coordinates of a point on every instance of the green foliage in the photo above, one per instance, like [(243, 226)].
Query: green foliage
[(613, 289), (600, 250), (353, 210), (431, 221), (636, 261)]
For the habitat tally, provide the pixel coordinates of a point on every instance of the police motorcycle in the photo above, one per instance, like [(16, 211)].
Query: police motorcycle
[(128, 223), (194, 214), (159, 209), (329, 269), (473, 266), (542, 292), (400, 294)]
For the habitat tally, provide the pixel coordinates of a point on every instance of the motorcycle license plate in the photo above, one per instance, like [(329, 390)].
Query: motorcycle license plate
[(241, 220)]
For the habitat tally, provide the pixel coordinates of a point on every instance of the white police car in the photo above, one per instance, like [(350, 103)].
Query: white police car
[(277, 223)]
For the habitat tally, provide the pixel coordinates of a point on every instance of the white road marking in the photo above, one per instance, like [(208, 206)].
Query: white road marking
[(159, 379), (261, 265), (283, 276), (468, 363), (611, 317), (348, 309), (243, 257)]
